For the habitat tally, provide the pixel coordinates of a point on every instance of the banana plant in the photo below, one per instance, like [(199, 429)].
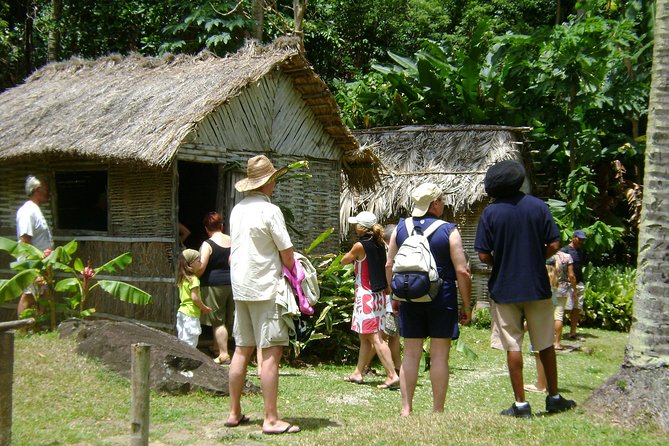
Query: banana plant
[(60, 271)]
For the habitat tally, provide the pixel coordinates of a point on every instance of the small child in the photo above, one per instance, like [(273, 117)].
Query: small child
[(553, 268), (188, 316)]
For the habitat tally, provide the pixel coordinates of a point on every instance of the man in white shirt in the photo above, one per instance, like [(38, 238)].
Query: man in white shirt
[(32, 228), (260, 247)]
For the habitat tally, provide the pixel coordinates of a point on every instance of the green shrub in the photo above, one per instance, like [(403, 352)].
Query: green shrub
[(609, 297), (329, 335), (481, 318)]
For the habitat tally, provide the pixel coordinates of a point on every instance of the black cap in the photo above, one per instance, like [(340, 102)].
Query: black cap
[(504, 178)]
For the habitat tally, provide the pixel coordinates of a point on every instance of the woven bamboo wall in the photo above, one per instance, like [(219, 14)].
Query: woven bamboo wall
[(467, 223), (141, 202), (151, 270)]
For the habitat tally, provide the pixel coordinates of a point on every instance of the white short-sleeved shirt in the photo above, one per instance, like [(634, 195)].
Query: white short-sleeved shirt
[(30, 221), (258, 232)]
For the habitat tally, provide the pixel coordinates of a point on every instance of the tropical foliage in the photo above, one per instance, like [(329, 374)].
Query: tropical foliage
[(581, 85), (609, 297), (59, 271)]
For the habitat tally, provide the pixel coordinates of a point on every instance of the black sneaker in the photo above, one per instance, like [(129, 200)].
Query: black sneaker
[(515, 411), (559, 404)]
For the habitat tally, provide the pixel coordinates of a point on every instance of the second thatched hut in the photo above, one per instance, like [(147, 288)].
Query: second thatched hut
[(454, 157)]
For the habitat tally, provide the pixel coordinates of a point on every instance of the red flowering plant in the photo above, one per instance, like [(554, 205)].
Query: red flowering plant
[(59, 271)]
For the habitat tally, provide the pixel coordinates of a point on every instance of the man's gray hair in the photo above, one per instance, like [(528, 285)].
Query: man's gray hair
[(32, 183)]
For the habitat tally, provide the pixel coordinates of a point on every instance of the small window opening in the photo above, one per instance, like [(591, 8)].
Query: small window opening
[(82, 200)]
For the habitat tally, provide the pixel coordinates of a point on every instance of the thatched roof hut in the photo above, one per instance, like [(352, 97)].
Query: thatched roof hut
[(454, 157), (131, 146)]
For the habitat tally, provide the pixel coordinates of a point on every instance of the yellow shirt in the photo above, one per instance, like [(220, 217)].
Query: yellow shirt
[(187, 306)]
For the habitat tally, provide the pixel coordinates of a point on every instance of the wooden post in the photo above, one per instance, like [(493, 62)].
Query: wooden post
[(139, 394), (7, 376), (6, 380)]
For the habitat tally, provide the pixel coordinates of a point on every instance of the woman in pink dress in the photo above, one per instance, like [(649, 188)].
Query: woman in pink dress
[(368, 256)]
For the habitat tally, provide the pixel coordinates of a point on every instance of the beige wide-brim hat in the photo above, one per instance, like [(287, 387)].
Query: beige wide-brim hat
[(422, 197), (259, 171)]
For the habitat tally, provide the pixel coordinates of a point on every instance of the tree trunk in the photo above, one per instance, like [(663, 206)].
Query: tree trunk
[(258, 17), (299, 8), (53, 50), (28, 38), (648, 344), (638, 393)]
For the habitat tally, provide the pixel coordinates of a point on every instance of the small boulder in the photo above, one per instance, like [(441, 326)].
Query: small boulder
[(175, 367)]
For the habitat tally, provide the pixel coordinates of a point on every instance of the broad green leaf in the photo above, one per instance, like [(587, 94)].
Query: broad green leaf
[(8, 245), (125, 292), (325, 234), (70, 284), (13, 288), (115, 264)]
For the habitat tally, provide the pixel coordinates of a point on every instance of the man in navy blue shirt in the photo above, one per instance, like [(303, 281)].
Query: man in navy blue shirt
[(515, 235)]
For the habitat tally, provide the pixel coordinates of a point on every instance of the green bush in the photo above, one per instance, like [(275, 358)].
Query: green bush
[(609, 297), (481, 318)]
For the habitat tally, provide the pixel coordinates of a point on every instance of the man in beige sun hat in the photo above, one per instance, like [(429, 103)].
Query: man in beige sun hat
[(260, 247)]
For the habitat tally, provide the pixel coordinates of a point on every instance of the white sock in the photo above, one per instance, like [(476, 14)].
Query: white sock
[(522, 405)]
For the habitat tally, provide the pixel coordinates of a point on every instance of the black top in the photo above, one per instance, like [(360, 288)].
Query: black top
[(217, 271), (376, 263)]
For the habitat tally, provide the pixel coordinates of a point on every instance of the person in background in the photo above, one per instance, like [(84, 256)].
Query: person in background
[(188, 315), (184, 232), (560, 274), (32, 228), (391, 331), (575, 300), (515, 235), (437, 319), (260, 248), (215, 285), (368, 256)]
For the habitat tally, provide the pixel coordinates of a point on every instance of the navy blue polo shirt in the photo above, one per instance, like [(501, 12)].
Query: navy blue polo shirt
[(516, 230)]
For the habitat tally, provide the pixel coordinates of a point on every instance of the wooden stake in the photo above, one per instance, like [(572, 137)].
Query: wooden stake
[(139, 394), (6, 380)]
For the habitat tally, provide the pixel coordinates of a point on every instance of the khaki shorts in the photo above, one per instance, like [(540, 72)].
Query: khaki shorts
[(259, 324), (508, 325), (558, 308), (580, 291)]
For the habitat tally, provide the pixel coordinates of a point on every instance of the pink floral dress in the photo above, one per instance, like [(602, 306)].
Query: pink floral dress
[(369, 309)]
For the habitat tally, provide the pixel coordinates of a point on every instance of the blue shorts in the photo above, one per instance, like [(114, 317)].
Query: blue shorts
[(428, 320)]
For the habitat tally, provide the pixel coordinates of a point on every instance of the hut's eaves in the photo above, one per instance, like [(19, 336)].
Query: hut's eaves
[(140, 109)]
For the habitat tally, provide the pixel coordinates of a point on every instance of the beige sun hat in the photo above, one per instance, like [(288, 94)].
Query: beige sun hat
[(423, 196), (259, 171)]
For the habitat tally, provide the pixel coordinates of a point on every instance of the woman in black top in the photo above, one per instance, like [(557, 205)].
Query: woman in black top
[(215, 284)]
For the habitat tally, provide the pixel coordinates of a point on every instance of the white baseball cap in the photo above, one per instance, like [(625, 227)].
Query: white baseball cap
[(364, 218)]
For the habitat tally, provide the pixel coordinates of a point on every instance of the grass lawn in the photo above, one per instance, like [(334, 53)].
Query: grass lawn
[(61, 398)]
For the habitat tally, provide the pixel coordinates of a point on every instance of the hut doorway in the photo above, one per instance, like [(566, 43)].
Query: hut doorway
[(198, 188)]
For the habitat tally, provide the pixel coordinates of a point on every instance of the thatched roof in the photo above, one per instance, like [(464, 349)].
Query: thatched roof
[(139, 109), (454, 157)]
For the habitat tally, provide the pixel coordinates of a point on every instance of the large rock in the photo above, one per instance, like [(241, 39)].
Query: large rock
[(175, 366)]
